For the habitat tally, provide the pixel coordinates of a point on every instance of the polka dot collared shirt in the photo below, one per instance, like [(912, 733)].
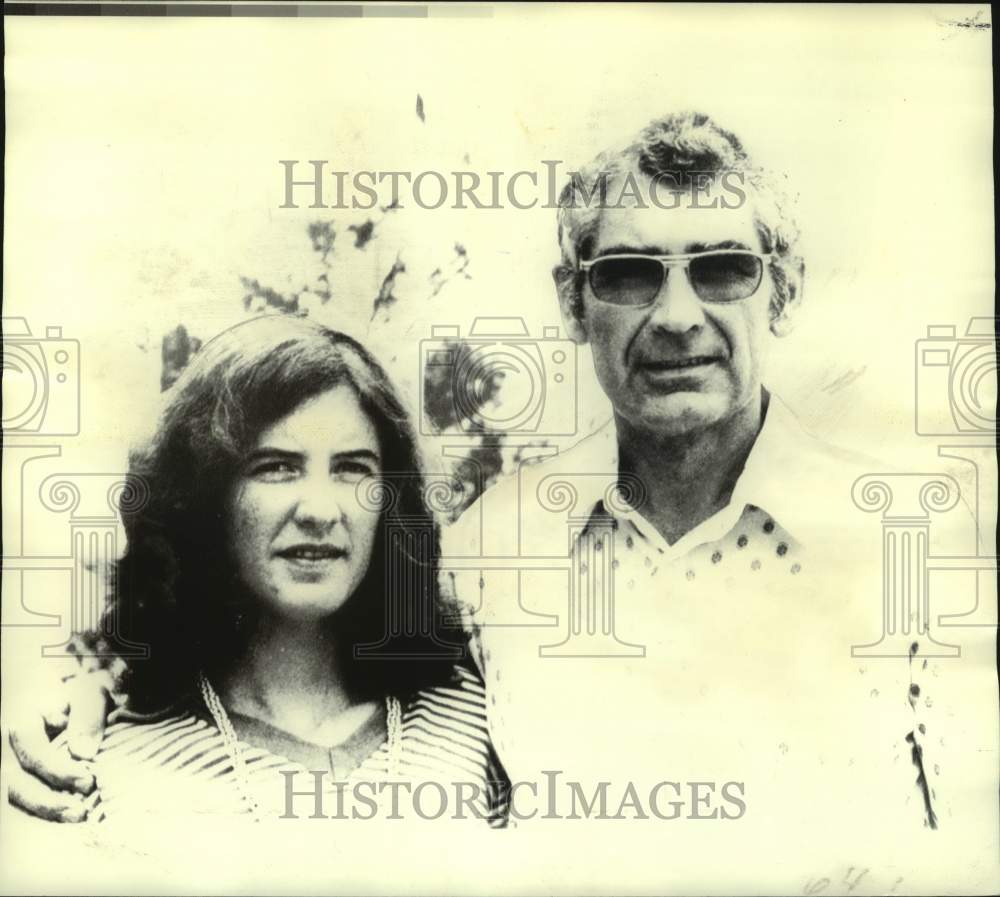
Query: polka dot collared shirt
[(726, 656)]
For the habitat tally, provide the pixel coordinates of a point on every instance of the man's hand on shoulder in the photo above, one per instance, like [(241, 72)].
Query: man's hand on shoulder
[(48, 747)]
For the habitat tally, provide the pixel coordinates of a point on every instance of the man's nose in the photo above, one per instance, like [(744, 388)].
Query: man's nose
[(677, 308)]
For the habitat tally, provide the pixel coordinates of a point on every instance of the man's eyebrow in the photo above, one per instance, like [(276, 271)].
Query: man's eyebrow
[(722, 244), (626, 249)]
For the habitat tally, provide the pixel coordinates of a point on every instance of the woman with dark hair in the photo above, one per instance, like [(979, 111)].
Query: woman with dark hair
[(282, 576)]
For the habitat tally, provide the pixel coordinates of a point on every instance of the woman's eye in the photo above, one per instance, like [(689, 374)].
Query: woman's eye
[(273, 470), (353, 470)]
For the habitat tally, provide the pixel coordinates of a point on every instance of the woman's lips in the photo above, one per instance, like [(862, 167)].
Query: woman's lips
[(312, 551), (312, 556)]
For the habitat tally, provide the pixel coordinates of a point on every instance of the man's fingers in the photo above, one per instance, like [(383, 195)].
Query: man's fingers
[(56, 716), (35, 797), (51, 764), (89, 703)]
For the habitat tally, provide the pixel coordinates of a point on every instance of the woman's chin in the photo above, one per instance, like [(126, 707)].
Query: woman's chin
[(305, 605)]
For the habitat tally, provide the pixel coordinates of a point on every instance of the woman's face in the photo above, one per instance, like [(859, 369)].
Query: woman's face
[(301, 540)]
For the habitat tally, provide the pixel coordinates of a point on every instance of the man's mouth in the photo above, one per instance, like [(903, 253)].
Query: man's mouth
[(677, 364)]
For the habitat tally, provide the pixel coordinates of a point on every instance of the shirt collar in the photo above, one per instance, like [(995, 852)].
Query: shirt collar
[(778, 475)]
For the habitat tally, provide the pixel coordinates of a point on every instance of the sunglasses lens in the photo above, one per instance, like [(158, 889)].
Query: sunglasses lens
[(632, 281), (726, 277)]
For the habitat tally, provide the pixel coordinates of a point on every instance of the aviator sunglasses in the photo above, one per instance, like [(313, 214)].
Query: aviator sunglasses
[(719, 275)]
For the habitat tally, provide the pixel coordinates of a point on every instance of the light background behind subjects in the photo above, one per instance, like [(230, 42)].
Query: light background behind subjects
[(143, 191)]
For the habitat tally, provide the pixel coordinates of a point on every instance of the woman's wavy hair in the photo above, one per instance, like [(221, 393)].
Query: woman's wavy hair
[(176, 589)]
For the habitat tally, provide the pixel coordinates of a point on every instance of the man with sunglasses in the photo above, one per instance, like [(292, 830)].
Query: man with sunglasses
[(694, 659), (665, 613)]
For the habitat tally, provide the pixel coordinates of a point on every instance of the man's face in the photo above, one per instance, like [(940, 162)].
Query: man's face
[(679, 364)]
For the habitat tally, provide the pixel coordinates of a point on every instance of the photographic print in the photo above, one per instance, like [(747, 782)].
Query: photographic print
[(499, 448)]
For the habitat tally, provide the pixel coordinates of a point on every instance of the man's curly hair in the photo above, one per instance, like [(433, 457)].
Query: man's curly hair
[(676, 148)]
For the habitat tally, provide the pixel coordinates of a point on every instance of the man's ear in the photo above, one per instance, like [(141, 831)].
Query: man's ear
[(793, 275), (570, 302)]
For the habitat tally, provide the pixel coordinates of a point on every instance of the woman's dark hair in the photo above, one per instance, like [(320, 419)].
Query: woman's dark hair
[(176, 589)]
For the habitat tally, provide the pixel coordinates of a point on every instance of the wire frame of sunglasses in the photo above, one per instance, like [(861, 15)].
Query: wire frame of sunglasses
[(635, 279)]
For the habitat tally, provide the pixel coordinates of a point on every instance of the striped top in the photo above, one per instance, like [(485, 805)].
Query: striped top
[(178, 763)]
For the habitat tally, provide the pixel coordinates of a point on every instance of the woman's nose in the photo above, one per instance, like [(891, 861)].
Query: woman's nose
[(320, 504)]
